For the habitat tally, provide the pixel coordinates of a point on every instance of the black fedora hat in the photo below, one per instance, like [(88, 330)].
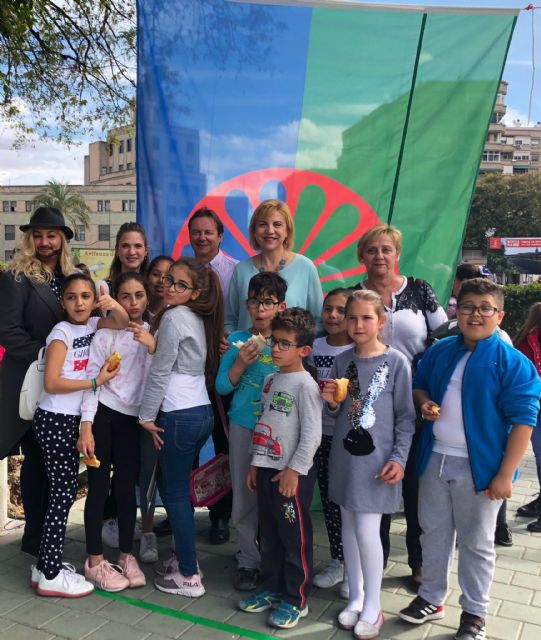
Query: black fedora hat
[(48, 218)]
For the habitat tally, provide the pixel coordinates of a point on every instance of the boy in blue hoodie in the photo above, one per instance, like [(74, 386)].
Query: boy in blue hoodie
[(479, 398)]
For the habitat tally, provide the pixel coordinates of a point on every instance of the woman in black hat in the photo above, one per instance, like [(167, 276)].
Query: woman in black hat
[(29, 294)]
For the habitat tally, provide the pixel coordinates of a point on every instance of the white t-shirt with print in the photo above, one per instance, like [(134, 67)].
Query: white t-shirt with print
[(77, 338)]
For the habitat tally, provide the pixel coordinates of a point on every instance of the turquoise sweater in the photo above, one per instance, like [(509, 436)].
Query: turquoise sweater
[(246, 401)]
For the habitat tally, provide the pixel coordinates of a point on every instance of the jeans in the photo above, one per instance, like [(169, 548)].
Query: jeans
[(185, 432)]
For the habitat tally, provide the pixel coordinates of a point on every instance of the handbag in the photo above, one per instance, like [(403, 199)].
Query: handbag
[(210, 482), (32, 390)]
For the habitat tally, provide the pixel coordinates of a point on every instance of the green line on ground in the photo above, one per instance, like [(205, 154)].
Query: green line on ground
[(173, 613)]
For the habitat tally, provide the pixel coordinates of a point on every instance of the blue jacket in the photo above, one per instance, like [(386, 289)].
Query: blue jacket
[(500, 387)]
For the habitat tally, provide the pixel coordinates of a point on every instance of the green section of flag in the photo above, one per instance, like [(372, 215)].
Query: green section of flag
[(399, 117)]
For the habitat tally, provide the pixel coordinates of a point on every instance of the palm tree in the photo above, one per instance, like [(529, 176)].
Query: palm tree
[(68, 200)]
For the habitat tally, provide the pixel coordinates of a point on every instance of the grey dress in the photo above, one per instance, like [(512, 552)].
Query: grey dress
[(380, 401)]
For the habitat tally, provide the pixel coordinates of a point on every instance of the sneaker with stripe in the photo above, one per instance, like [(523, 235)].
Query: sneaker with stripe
[(260, 601), (420, 610), (471, 627), (287, 615)]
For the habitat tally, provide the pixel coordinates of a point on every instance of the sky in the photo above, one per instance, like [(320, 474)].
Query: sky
[(40, 161)]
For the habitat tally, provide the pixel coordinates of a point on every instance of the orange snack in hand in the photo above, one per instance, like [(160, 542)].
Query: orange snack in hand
[(341, 391)]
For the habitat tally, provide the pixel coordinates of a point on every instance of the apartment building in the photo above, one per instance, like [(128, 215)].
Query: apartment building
[(510, 150)]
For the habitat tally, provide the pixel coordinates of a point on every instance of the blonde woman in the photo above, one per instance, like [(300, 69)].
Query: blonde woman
[(272, 233), (30, 290)]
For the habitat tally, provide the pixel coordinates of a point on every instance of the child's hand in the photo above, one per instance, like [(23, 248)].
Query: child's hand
[(251, 477), (391, 473), (430, 410), (328, 394), (288, 480), (500, 488), (85, 443), (154, 431), (248, 354), (104, 301), (143, 336), (224, 346), (104, 375)]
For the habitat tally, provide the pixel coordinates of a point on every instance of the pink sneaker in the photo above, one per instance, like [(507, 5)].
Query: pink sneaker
[(167, 566), (180, 585), (106, 576), (131, 570)]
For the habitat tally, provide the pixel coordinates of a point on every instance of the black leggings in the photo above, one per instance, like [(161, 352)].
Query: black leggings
[(116, 444)]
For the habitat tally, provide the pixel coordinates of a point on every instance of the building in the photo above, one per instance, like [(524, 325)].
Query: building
[(509, 149), (109, 191)]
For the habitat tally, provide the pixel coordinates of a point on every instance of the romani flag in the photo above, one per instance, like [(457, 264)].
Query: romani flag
[(352, 113)]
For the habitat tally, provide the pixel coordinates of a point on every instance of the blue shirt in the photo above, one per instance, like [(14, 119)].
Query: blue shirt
[(246, 401)]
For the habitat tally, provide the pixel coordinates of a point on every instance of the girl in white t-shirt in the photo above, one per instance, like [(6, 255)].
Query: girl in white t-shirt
[(56, 423), (322, 358), (110, 431)]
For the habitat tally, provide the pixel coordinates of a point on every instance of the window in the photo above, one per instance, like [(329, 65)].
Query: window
[(103, 232), (132, 205), (500, 98), (534, 157), (125, 205), (491, 156), (9, 232), (121, 167), (9, 206), (107, 205), (128, 144), (8, 255), (103, 171), (520, 170), (496, 117), (110, 169), (535, 143), (100, 205), (80, 232), (521, 156), (121, 146), (28, 206), (129, 166)]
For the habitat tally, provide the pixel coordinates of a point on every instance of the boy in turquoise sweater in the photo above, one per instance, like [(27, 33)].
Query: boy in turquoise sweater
[(241, 372)]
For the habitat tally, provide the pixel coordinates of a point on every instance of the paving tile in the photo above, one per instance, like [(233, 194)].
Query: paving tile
[(74, 624), (122, 612), (23, 632), (520, 612), (41, 612), (11, 600), (530, 632), (308, 629), (117, 631), (206, 633), (166, 626), (212, 606)]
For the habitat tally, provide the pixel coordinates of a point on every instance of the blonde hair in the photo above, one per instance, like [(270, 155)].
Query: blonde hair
[(25, 263), (264, 210), (376, 232), (369, 296)]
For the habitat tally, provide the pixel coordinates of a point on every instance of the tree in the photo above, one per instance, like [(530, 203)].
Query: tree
[(66, 66), (509, 204), (65, 198)]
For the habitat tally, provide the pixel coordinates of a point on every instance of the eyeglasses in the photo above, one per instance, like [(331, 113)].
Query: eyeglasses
[(485, 310), (180, 286), (283, 345), (267, 303)]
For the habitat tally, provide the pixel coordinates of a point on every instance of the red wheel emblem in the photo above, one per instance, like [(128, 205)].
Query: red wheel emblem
[(329, 217)]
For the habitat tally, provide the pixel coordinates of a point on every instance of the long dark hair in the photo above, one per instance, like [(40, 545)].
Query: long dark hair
[(209, 305), (116, 267), (532, 322)]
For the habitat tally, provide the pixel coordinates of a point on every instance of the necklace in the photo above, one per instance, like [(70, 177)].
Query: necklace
[(281, 264)]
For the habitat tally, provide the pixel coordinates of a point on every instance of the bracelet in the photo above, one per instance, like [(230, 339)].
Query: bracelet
[(94, 385)]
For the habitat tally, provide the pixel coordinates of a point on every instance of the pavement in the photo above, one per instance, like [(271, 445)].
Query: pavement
[(147, 614)]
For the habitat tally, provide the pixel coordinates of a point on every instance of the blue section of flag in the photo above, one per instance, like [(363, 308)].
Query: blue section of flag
[(220, 93)]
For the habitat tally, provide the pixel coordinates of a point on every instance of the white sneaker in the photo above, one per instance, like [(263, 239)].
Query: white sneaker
[(35, 575), (67, 584), (148, 548), (109, 533), (332, 574), (343, 592)]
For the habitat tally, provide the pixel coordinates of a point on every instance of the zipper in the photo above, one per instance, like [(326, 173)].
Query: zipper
[(464, 421)]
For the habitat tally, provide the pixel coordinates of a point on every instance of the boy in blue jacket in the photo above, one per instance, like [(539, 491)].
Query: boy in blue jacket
[(479, 398)]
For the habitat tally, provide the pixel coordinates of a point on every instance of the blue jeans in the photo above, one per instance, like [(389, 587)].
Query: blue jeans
[(185, 432), (536, 446)]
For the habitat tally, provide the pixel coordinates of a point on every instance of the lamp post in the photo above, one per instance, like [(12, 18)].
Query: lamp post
[(488, 234)]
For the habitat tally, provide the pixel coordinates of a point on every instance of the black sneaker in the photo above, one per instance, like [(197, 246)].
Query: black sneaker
[(247, 579), (419, 611), (531, 509), (163, 528), (535, 526), (471, 628), (503, 536)]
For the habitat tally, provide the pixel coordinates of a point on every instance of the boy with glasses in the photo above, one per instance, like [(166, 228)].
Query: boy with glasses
[(286, 437), (243, 367), (479, 399)]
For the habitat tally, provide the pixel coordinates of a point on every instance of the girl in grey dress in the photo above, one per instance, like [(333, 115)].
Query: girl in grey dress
[(373, 432)]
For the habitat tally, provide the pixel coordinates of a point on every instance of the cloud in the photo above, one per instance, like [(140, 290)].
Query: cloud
[(512, 115), (39, 160)]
